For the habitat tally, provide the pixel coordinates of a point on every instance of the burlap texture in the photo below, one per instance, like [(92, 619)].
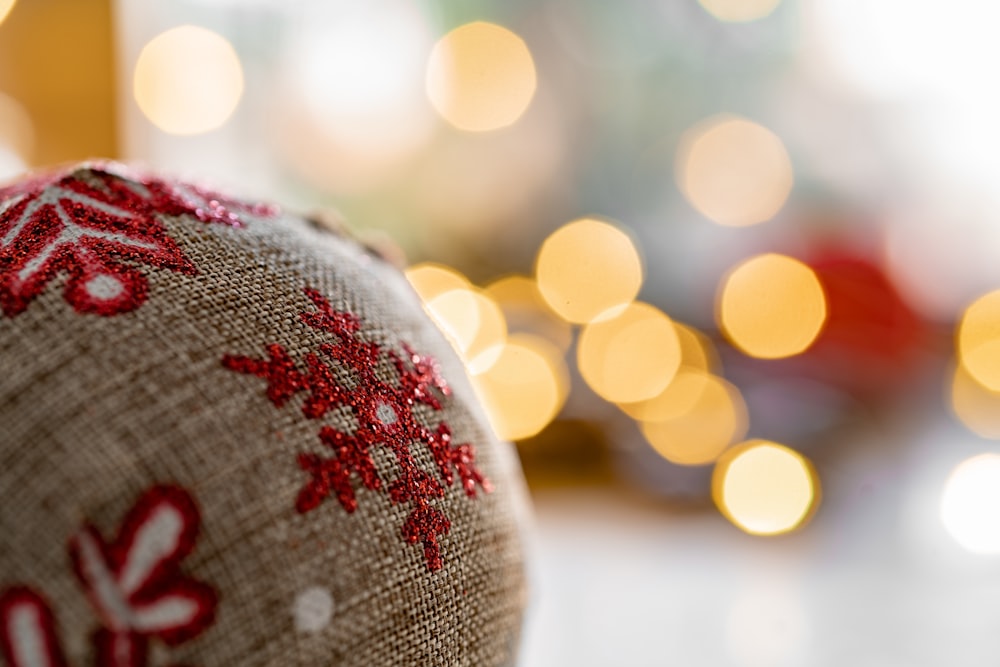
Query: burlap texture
[(94, 410)]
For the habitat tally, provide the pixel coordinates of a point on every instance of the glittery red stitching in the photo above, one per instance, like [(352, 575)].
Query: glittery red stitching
[(385, 418), (134, 583), (92, 224)]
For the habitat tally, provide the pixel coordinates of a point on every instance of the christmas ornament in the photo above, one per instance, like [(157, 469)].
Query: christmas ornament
[(231, 437)]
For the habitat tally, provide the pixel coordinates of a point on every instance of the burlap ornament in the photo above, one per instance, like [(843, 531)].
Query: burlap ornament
[(228, 437)]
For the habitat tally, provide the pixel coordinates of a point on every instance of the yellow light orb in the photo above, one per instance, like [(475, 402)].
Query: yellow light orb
[(979, 340), (188, 80), (697, 350), (771, 306), (739, 11), (630, 357), (975, 406), (765, 488), (733, 171), (430, 280), (525, 388), (970, 504), (587, 268), (481, 77), (5, 7), (527, 312), (474, 324), (695, 420)]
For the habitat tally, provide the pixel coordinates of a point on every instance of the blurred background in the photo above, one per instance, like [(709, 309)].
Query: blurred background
[(723, 270)]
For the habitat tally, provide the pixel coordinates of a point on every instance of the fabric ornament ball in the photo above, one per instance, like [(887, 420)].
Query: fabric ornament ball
[(231, 437)]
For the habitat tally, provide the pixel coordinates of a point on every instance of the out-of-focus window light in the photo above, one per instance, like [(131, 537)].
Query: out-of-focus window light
[(979, 340), (765, 488), (771, 306), (481, 77), (188, 80), (5, 7), (632, 356), (739, 11), (733, 171), (357, 109), (695, 419), (525, 388), (17, 137), (970, 504), (588, 268)]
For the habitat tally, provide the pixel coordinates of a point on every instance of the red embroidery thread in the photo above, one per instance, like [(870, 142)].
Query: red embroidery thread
[(134, 583), (385, 418), (93, 224)]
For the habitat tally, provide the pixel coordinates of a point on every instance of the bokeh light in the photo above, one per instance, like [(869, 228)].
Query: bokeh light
[(526, 310), (357, 113), (474, 323), (188, 80), (698, 359), (630, 357), (430, 280), (979, 340), (525, 388), (695, 420), (970, 504), (765, 488), (5, 7), (587, 268), (734, 171), (771, 306), (977, 407), (481, 77), (739, 11)]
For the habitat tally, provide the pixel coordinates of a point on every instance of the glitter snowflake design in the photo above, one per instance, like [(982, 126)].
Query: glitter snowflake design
[(134, 582), (385, 417), (94, 224)]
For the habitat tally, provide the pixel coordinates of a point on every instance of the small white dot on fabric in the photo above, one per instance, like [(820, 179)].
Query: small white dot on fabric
[(313, 609), (104, 287), (386, 414)]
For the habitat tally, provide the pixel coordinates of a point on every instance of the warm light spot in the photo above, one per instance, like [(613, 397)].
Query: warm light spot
[(765, 488), (17, 136), (979, 340), (431, 280), (526, 310), (697, 350), (771, 306), (356, 113), (630, 357), (474, 324), (975, 406), (5, 7), (526, 387), (481, 77), (587, 268), (733, 171), (739, 11), (694, 420), (188, 80), (970, 504)]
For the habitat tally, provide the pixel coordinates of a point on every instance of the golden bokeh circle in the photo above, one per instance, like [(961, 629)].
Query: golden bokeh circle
[(771, 306), (587, 268)]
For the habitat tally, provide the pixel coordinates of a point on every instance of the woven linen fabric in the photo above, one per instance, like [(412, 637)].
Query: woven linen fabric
[(228, 437)]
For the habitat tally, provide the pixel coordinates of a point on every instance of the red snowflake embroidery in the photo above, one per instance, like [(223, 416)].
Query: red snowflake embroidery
[(93, 224), (134, 583), (385, 417)]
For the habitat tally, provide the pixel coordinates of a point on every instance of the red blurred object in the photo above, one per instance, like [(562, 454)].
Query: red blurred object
[(872, 340)]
